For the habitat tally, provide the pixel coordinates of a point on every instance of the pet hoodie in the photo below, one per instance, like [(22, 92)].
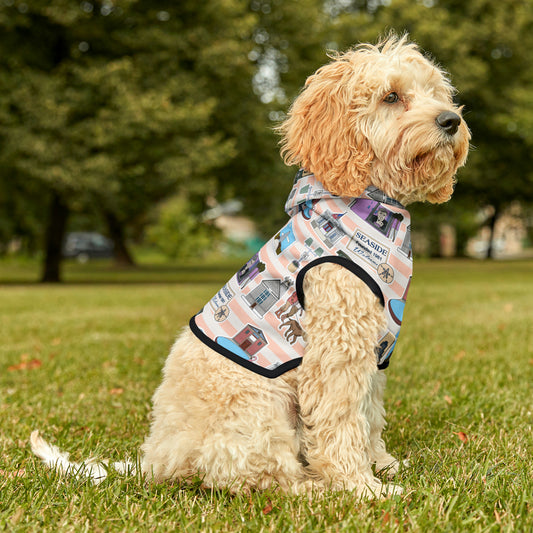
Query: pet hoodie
[(256, 318)]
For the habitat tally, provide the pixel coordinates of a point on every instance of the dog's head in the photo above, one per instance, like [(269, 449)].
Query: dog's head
[(379, 115)]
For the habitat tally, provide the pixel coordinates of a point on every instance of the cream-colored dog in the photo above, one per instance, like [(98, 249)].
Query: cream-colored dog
[(377, 115)]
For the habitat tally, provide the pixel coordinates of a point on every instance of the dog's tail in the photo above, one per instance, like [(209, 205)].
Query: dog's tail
[(54, 458)]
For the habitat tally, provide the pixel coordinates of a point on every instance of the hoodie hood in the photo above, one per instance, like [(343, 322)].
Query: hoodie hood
[(307, 188)]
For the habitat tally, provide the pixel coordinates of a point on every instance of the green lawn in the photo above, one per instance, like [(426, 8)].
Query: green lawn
[(80, 361)]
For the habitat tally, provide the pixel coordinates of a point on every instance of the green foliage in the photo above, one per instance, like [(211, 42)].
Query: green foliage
[(286, 46), (108, 111), (178, 232), (122, 105), (461, 366)]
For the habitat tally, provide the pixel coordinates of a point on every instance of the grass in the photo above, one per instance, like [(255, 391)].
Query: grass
[(81, 361)]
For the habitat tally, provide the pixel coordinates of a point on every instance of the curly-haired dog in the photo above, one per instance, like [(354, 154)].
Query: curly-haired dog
[(246, 404)]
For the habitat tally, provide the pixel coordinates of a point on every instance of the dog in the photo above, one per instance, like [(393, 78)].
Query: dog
[(372, 131)]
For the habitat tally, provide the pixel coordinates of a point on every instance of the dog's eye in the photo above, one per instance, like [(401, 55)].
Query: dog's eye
[(391, 98)]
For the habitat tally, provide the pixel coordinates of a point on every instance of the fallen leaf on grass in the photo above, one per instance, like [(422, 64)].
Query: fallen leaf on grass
[(267, 509), (448, 400), (462, 436), (25, 365), (386, 518), (116, 392), (460, 355)]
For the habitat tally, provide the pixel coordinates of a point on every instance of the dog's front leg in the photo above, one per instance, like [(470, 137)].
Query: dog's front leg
[(384, 461), (343, 319)]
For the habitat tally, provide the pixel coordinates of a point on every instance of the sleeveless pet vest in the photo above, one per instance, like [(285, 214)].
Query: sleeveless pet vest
[(255, 319)]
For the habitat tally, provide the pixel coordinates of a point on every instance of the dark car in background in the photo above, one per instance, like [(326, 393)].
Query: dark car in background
[(83, 246)]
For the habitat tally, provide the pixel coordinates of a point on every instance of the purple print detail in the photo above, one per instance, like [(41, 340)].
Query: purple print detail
[(379, 217), (248, 272)]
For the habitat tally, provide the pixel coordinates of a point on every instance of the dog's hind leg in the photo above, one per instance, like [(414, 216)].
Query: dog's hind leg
[(224, 423), (335, 379)]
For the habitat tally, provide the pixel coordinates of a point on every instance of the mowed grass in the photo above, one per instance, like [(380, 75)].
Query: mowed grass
[(80, 362)]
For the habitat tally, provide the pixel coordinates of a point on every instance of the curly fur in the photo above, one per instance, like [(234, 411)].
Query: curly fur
[(319, 425)]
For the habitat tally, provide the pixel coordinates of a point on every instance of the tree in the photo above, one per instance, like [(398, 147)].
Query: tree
[(100, 105)]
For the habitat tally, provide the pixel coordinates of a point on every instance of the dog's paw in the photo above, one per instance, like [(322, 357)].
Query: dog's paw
[(380, 490), (393, 490), (389, 466)]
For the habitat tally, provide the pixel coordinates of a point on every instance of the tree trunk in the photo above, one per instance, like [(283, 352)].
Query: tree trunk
[(54, 237), (492, 226), (115, 228)]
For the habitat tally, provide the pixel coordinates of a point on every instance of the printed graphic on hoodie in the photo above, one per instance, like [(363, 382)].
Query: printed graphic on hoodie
[(255, 319)]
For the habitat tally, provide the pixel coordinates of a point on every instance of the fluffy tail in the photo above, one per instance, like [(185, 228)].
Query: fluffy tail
[(54, 458)]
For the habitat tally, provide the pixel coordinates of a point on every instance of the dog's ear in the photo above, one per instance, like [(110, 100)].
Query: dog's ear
[(322, 132)]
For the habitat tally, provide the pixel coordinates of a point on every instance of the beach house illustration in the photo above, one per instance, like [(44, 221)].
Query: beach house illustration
[(328, 228), (266, 294), (250, 340)]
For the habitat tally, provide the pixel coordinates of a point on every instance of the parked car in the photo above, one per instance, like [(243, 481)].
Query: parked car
[(87, 245)]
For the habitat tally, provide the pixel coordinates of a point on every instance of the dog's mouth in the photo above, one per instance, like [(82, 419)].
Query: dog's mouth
[(419, 161), (448, 152), (432, 173), (424, 161)]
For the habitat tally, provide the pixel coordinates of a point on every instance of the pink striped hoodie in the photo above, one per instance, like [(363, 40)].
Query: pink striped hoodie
[(256, 318)]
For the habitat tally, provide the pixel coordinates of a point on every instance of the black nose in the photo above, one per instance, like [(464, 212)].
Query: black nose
[(449, 122)]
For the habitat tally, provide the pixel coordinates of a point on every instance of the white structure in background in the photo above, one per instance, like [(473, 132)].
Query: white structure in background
[(235, 227), (510, 234)]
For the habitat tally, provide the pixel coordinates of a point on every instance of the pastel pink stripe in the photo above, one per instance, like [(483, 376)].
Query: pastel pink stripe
[(397, 288), (401, 267), (262, 361), (241, 313)]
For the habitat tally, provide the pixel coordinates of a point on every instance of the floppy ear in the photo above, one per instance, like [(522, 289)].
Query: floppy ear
[(322, 132)]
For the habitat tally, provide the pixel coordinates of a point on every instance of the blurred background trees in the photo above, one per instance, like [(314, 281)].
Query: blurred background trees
[(113, 114)]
